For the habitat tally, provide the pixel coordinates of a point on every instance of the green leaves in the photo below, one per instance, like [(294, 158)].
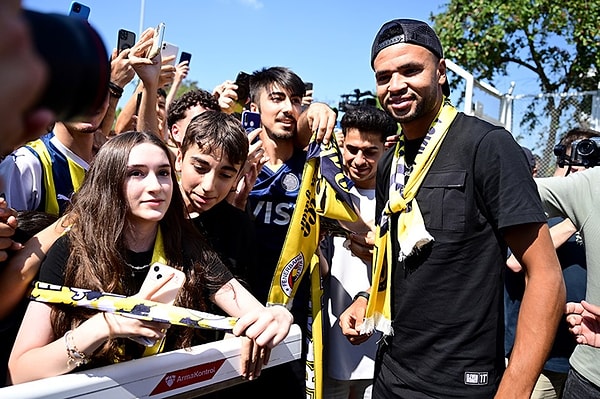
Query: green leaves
[(558, 41)]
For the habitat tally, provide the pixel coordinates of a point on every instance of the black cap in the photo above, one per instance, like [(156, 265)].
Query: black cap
[(408, 31)]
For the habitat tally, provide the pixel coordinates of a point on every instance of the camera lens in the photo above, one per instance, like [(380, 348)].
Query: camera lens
[(78, 64), (586, 147), (76, 7)]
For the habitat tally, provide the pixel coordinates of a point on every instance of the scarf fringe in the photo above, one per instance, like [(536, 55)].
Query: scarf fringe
[(417, 238), (377, 322)]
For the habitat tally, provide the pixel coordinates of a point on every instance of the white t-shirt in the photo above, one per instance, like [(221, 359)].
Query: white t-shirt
[(349, 275)]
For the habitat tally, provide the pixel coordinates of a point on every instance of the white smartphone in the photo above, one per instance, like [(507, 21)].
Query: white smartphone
[(156, 275), (168, 50), (167, 293), (159, 34)]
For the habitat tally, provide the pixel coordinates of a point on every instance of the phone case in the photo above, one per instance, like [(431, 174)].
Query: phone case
[(185, 56), (79, 10), (250, 120), (126, 39), (168, 292), (168, 50)]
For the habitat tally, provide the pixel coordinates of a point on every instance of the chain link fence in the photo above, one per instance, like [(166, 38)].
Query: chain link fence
[(537, 121)]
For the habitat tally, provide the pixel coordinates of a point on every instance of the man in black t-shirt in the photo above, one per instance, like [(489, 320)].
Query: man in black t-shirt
[(470, 183)]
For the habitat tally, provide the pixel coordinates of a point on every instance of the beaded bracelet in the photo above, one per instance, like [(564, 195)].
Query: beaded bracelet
[(75, 356)]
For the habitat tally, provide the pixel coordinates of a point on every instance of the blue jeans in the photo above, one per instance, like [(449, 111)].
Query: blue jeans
[(578, 387)]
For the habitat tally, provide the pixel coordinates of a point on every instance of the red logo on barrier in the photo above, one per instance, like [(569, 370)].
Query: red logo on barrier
[(184, 377)]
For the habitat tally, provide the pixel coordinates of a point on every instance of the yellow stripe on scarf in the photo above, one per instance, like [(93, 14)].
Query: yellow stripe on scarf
[(319, 195), (412, 233), (324, 191)]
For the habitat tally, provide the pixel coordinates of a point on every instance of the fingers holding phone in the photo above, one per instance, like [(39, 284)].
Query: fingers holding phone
[(242, 81), (141, 48), (157, 42), (226, 96), (162, 283), (145, 56)]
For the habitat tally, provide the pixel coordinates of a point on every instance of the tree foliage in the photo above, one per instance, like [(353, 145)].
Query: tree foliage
[(558, 41), (186, 85)]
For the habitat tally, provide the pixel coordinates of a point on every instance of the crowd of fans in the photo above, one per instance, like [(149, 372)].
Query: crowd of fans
[(94, 201)]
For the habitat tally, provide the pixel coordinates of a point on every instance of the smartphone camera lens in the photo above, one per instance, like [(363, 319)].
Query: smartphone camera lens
[(158, 276), (76, 7), (156, 268)]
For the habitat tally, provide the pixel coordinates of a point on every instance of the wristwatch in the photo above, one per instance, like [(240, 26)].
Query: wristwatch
[(363, 294)]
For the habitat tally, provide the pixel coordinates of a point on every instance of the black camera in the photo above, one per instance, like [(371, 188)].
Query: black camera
[(360, 99), (77, 61), (584, 152)]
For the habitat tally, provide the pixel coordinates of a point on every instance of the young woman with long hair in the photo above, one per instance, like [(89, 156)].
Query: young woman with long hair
[(127, 214)]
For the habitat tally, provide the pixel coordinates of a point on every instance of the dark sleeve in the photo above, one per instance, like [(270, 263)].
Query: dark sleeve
[(504, 181), (383, 183), (218, 274), (53, 267)]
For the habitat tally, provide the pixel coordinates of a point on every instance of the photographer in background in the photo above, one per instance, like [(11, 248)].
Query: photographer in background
[(571, 256), (564, 151), (575, 197), (23, 75)]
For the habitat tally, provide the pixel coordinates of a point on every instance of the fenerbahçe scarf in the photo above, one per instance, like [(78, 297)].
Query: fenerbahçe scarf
[(324, 191)]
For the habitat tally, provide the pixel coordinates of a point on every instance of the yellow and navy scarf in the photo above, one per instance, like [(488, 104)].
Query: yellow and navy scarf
[(132, 306), (412, 234), (324, 192)]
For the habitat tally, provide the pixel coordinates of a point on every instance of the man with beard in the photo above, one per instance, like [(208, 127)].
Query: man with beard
[(452, 195), (43, 174), (276, 93)]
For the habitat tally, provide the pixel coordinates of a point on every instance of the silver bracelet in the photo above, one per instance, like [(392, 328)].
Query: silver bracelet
[(75, 356)]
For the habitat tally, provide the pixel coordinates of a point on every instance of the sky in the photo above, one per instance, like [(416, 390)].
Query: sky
[(327, 42)]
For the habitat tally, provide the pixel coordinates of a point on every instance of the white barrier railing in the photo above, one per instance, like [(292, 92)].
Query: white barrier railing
[(182, 373)]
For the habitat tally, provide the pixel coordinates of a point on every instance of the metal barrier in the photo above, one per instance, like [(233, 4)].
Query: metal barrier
[(183, 373)]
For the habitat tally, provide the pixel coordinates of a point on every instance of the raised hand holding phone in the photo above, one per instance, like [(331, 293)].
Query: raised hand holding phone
[(169, 52), (185, 56), (242, 81), (159, 34), (250, 120)]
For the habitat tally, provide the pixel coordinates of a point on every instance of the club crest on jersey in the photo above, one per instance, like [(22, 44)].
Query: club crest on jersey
[(291, 273), (290, 182)]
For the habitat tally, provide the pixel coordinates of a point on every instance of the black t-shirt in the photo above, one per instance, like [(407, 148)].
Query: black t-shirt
[(447, 302), (53, 267), (230, 232)]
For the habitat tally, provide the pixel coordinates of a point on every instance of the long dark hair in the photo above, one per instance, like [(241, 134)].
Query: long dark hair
[(98, 214)]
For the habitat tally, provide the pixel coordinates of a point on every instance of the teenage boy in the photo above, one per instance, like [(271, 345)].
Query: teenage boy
[(212, 154)]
